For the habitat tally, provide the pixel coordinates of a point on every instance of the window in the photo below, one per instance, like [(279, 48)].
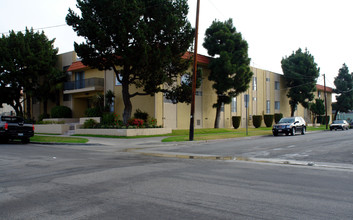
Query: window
[(276, 85), (198, 93), (80, 80), (117, 83), (234, 104), (268, 106), (254, 83), (319, 94), (277, 105), (185, 78), (222, 107), (267, 79)]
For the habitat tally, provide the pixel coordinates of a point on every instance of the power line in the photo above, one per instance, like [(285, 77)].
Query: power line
[(37, 29)]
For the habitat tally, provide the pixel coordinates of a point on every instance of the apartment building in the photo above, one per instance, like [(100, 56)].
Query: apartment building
[(266, 95)]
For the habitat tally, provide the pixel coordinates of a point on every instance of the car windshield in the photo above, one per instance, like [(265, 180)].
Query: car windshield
[(12, 119), (338, 122), (286, 120)]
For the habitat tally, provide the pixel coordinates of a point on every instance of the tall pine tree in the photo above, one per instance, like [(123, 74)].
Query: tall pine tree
[(344, 90), (301, 73), (230, 70)]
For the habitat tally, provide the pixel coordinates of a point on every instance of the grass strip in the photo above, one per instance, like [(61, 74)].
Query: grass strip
[(57, 139)]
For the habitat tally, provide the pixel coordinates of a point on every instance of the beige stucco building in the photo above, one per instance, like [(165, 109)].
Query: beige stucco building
[(267, 95)]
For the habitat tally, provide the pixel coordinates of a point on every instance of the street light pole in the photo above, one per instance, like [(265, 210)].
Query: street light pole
[(192, 119)]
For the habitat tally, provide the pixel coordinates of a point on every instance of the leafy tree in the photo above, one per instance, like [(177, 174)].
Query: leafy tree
[(146, 38), (183, 92), (301, 73), (230, 68), (317, 108), (26, 61), (344, 90)]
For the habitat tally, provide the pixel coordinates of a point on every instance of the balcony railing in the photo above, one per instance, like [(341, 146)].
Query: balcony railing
[(85, 83)]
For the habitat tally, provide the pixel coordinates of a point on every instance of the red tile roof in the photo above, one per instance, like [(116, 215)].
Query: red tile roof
[(321, 88), (78, 65), (200, 58)]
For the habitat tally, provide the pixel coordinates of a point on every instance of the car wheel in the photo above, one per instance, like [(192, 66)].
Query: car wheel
[(330, 129), (293, 131), (342, 128), (4, 140), (303, 130)]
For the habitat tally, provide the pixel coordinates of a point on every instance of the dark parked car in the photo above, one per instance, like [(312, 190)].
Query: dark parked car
[(13, 127), (290, 125), (339, 124)]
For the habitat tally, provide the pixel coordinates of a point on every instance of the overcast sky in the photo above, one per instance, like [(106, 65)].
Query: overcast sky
[(272, 28)]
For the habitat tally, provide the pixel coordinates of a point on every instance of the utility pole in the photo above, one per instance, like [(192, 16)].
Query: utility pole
[(192, 119), (326, 122)]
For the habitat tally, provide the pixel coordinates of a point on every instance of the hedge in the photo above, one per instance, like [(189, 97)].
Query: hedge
[(256, 120), (61, 112), (268, 120), (278, 117), (236, 121), (321, 119)]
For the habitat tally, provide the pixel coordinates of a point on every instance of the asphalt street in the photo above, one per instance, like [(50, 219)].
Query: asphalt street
[(104, 180), (325, 147)]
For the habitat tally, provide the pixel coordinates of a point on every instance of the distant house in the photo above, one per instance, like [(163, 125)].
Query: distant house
[(267, 95)]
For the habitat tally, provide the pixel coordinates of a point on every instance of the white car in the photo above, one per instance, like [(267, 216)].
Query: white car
[(339, 124)]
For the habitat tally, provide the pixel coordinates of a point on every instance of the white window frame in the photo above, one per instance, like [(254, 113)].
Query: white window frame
[(268, 106), (277, 105)]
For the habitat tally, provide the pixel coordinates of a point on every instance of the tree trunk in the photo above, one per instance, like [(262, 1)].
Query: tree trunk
[(292, 110), (127, 103), (57, 98), (218, 114), (334, 118), (45, 107), (28, 99)]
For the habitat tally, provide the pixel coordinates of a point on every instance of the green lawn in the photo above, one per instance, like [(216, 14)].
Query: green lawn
[(223, 133), (57, 139), (176, 135)]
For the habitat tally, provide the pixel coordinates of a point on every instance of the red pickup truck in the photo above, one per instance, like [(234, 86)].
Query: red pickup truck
[(13, 127)]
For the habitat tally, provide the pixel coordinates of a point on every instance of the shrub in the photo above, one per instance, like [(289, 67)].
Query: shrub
[(93, 112), (42, 116), (236, 121), (135, 122), (257, 120), (141, 115), (278, 117), (61, 112), (108, 119), (49, 122), (90, 123), (151, 122), (321, 119), (268, 120)]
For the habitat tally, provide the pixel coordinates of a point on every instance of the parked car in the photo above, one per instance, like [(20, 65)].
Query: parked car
[(339, 124), (13, 127), (290, 125)]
